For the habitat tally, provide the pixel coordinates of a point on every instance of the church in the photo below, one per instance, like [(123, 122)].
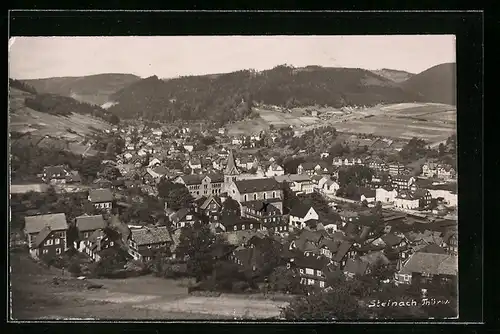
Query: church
[(251, 187)]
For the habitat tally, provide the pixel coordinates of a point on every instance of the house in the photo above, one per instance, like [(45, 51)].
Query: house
[(347, 216), (236, 141), (298, 183), (327, 186), (194, 163), (264, 212), (233, 223), (202, 185), (403, 182), (427, 266), (367, 194), (101, 198), (344, 252), (328, 247), (385, 194), (257, 189), (300, 214), (154, 163), (86, 225), (395, 169), (211, 208), (446, 172), (449, 197), (450, 242), (429, 169), (145, 242), (95, 243), (46, 234), (406, 200), (424, 197), (188, 147), (157, 173), (183, 217), (59, 175), (311, 269), (251, 259), (364, 264), (275, 170)]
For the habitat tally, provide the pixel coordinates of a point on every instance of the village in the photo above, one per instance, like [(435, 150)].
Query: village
[(310, 222)]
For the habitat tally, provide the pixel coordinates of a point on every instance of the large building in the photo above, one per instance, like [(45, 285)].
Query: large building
[(265, 190), (202, 185)]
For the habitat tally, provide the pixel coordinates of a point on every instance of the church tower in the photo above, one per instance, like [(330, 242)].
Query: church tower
[(230, 172)]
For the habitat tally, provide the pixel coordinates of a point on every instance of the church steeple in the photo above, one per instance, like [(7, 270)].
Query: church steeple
[(231, 165), (230, 172)]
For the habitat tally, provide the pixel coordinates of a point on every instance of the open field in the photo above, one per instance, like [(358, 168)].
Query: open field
[(431, 121), (34, 296)]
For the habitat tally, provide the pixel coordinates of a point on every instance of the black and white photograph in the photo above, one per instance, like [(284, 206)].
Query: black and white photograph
[(271, 178)]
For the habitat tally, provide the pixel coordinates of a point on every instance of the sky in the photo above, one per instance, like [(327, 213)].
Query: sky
[(173, 56)]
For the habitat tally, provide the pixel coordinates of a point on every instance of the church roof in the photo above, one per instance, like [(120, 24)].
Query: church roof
[(231, 165)]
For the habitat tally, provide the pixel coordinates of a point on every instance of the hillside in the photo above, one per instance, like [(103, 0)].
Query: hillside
[(93, 89), (393, 75), (437, 84), (229, 97), (63, 129)]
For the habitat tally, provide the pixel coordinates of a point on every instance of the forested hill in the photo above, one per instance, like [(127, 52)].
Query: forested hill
[(229, 97), (437, 84), (93, 89), (394, 75)]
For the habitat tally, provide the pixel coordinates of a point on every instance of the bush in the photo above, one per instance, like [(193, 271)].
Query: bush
[(240, 287), (75, 269)]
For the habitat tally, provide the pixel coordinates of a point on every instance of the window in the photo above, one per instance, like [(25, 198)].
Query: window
[(319, 273), (215, 217), (301, 271), (243, 226), (234, 227), (86, 234), (264, 195), (309, 271), (57, 241), (48, 242), (111, 243), (149, 246), (45, 251), (245, 198), (58, 251), (251, 225), (321, 284), (406, 277), (255, 197), (310, 282)]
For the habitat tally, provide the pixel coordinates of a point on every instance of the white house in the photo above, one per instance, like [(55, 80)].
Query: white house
[(300, 214), (275, 170), (449, 197), (385, 195), (188, 147), (406, 201), (328, 186), (154, 163), (236, 141)]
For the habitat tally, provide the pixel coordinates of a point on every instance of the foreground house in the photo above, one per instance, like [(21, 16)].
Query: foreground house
[(101, 198), (183, 217), (95, 243), (300, 214), (145, 242), (426, 267), (86, 226), (311, 269), (46, 234)]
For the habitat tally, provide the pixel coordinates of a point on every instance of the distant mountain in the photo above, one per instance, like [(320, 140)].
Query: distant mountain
[(229, 97), (437, 84), (93, 89), (394, 75)]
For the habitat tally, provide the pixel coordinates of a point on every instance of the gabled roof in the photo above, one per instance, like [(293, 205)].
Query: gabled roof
[(300, 210), (258, 205), (51, 171), (100, 195), (209, 200), (90, 223), (56, 222), (428, 263), (41, 236), (151, 235), (180, 214), (391, 239), (311, 261), (215, 177), (257, 185), (432, 248)]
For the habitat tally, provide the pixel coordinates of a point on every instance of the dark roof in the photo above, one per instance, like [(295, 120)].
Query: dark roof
[(330, 244), (391, 239), (257, 205), (432, 248), (51, 171), (311, 261), (90, 223), (151, 235), (230, 165), (41, 236), (343, 249), (191, 179), (100, 195), (300, 210), (419, 193), (56, 222), (160, 170), (215, 177), (369, 193), (209, 200), (180, 214), (257, 185), (231, 220), (356, 266)]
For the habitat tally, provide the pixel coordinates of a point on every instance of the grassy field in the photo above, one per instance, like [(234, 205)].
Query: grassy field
[(431, 121), (34, 296)]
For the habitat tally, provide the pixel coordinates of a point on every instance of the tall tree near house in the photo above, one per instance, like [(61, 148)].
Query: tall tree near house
[(231, 207), (283, 279), (176, 194), (196, 242)]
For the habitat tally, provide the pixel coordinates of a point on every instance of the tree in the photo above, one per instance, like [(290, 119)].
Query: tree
[(196, 242), (442, 149), (231, 207), (175, 194), (337, 304), (283, 279)]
